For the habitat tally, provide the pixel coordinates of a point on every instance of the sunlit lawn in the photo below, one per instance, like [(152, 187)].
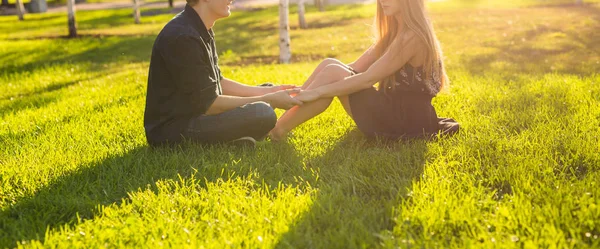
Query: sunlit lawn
[(75, 170)]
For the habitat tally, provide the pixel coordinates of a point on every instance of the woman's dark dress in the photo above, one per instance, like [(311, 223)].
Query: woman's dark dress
[(404, 111)]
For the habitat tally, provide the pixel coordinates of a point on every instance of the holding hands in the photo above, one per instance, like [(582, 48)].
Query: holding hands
[(282, 99), (288, 96), (308, 96)]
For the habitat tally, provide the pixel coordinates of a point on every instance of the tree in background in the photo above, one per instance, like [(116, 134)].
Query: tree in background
[(301, 19), (136, 11), (71, 16), (320, 4), (20, 9), (285, 53)]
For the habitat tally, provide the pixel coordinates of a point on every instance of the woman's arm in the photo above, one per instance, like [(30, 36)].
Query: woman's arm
[(395, 58), (365, 60)]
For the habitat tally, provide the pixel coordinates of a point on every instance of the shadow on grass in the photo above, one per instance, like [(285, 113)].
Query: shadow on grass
[(79, 194), (237, 33), (116, 18), (553, 101), (549, 109), (160, 11), (123, 17), (244, 31), (35, 99), (354, 178), (360, 183), (44, 127), (545, 49), (48, 89), (101, 51)]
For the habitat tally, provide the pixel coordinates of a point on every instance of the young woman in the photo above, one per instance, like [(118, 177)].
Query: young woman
[(406, 61)]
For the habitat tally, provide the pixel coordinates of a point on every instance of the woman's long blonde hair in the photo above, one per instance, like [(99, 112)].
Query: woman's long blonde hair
[(414, 17)]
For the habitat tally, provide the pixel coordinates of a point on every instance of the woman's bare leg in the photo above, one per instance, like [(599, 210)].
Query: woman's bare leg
[(320, 67), (300, 114), (326, 62)]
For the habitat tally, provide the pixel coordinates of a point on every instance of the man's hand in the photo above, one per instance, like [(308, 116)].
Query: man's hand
[(277, 88), (308, 96), (282, 99)]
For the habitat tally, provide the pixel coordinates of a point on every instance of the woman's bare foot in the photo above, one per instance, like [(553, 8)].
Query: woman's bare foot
[(277, 134)]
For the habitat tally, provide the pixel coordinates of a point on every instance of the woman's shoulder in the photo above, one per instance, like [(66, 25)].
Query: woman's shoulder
[(408, 38), (407, 35)]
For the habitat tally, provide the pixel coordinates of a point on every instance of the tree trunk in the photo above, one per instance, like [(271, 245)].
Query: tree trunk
[(136, 11), (285, 53), (320, 4), (301, 20), (20, 9), (71, 16), (170, 3)]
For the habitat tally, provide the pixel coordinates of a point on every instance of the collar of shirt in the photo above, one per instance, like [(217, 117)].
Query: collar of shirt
[(193, 16)]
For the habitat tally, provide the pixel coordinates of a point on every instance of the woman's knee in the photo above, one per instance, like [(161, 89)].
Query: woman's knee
[(326, 62), (331, 61), (328, 75), (335, 72)]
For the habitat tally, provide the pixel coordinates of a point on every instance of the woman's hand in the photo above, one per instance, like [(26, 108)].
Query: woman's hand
[(308, 96)]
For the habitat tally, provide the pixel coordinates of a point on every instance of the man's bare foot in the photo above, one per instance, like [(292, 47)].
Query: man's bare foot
[(277, 134)]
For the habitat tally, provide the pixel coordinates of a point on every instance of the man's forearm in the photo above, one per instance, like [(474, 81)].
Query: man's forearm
[(233, 88), (225, 103)]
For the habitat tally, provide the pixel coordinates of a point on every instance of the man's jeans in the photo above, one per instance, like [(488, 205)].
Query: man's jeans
[(251, 120)]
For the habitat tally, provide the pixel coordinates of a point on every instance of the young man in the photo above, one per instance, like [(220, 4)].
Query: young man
[(188, 98)]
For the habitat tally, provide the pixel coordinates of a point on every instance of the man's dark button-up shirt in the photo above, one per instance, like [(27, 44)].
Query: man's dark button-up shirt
[(184, 78)]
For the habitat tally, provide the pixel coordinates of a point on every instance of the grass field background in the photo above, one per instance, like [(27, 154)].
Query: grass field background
[(75, 170)]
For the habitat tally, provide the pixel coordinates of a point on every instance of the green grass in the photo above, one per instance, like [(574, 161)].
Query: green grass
[(75, 170)]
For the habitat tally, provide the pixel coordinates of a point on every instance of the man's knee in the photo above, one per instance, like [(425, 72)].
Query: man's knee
[(264, 115)]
